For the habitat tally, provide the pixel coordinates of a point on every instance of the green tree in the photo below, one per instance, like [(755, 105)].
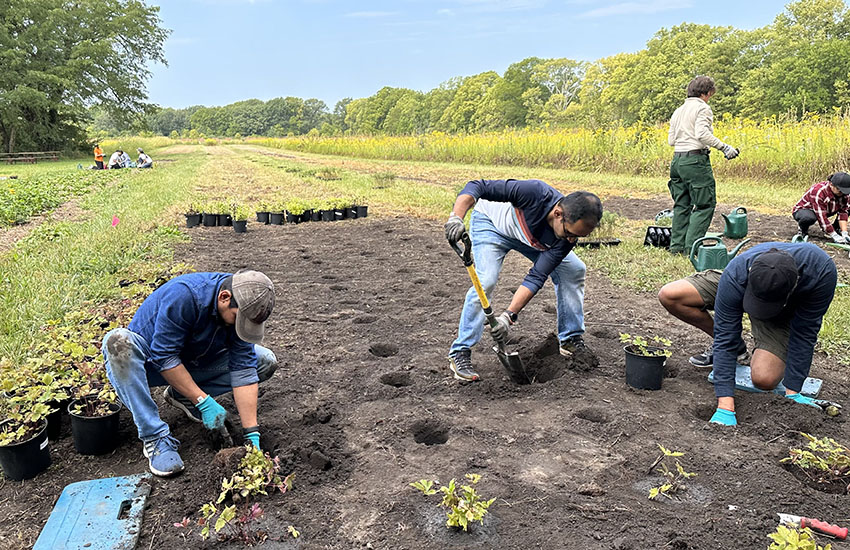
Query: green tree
[(58, 57), (459, 115)]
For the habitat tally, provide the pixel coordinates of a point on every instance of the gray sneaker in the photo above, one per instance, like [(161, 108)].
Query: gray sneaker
[(174, 399), (705, 359), (163, 459), (461, 364)]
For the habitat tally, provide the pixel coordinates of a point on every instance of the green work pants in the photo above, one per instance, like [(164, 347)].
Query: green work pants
[(692, 188)]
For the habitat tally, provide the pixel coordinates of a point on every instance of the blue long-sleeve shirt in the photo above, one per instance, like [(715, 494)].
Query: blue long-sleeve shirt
[(806, 308), (180, 322), (532, 200)]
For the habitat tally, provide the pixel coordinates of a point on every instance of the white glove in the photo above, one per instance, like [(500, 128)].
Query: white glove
[(836, 238), (729, 152), (846, 237)]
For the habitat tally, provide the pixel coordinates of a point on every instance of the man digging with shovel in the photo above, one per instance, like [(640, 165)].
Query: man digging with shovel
[(542, 224), (197, 336)]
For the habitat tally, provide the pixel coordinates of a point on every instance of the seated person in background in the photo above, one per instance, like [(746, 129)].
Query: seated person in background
[(145, 161), (822, 201), (126, 162), (115, 160)]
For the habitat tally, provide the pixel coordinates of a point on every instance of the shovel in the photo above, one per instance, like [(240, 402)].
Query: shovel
[(511, 361)]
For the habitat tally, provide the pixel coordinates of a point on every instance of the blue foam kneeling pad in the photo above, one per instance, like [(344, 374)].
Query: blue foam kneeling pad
[(744, 382), (99, 514)]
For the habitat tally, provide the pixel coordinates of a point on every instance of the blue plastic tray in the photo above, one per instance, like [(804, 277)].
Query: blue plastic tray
[(744, 382), (99, 514)]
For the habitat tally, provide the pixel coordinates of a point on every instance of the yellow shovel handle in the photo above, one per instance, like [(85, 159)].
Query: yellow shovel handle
[(485, 303)]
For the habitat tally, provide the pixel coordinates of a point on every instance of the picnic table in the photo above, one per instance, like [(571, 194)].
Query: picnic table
[(30, 157)]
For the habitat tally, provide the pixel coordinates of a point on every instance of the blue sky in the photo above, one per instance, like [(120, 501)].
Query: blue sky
[(221, 51)]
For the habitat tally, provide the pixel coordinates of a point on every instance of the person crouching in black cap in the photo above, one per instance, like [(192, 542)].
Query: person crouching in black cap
[(786, 289)]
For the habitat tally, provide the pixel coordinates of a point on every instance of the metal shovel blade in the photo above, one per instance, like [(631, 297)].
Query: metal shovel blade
[(513, 364)]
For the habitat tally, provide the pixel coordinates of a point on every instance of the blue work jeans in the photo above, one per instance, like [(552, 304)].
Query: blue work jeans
[(489, 248), (132, 380)]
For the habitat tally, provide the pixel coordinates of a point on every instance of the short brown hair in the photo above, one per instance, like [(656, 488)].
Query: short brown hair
[(701, 85)]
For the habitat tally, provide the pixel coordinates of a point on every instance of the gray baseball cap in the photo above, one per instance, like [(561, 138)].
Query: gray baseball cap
[(254, 293)]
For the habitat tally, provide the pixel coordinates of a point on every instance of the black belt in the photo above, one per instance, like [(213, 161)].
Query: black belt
[(694, 152)]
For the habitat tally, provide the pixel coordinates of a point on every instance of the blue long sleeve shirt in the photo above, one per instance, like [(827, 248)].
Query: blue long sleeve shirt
[(180, 322), (806, 307), (532, 200)]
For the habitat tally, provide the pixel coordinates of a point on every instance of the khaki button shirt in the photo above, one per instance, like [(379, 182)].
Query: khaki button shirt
[(690, 127)]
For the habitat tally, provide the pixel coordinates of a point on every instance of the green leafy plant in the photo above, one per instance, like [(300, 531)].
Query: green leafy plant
[(327, 174), (607, 227), (653, 347), (823, 460), (296, 206), (788, 538), (240, 213), (462, 506), (257, 473), (674, 478), (23, 418)]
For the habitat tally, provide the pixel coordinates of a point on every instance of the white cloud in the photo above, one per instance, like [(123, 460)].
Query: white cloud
[(446, 11), (370, 14), (638, 8)]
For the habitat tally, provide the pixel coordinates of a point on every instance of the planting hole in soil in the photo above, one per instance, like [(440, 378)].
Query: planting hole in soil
[(338, 287), (543, 362), (329, 277), (396, 379), (593, 414), (383, 350), (364, 319), (704, 412), (429, 432)]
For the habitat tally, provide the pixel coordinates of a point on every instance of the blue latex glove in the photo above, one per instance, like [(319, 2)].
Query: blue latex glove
[(724, 418), (253, 438), (803, 400), (212, 414)]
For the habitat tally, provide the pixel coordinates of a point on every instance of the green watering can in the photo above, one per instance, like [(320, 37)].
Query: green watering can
[(736, 223), (713, 256)]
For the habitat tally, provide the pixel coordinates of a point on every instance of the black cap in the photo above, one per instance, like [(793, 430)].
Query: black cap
[(842, 181), (772, 279)]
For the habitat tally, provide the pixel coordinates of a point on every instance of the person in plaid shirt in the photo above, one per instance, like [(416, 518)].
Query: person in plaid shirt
[(822, 201)]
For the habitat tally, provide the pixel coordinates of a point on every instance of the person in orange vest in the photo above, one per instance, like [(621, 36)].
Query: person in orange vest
[(98, 156)]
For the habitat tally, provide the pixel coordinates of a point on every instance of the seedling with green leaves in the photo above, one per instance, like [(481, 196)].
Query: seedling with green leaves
[(787, 538), (462, 507), (823, 460), (649, 347), (674, 478), (256, 474)]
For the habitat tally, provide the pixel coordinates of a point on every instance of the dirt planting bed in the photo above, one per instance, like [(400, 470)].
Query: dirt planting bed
[(363, 404)]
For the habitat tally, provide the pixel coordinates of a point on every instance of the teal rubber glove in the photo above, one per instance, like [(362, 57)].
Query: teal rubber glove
[(212, 414), (724, 418), (803, 400), (253, 438)]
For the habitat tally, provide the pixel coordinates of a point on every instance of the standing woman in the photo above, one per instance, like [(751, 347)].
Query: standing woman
[(98, 156), (691, 179)]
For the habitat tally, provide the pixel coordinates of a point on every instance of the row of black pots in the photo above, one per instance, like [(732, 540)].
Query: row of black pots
[(92, 436), (279, 218), (209, 220)]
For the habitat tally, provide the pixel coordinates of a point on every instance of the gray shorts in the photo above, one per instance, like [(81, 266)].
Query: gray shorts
[(770, 336)]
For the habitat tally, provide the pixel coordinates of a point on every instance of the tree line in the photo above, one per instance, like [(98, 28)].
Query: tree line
[(56, 86)]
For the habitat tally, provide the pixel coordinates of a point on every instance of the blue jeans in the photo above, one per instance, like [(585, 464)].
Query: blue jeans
[(125, 367), (489, 248)]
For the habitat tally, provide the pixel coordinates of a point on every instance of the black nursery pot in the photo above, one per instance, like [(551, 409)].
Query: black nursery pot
[(240, 226), (225, 220), (315, 215), (644, 372), (193, 220), (276, 218), (362, 211), (28, 458), (293, 218), (210, 220), (95, 435), (54, 419), (340, 214), (263, 217), (326, 215), (351, 212)]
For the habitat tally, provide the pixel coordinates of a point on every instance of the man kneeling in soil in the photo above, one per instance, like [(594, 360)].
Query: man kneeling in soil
[(542, 224), (197, 336), (785, 289)]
